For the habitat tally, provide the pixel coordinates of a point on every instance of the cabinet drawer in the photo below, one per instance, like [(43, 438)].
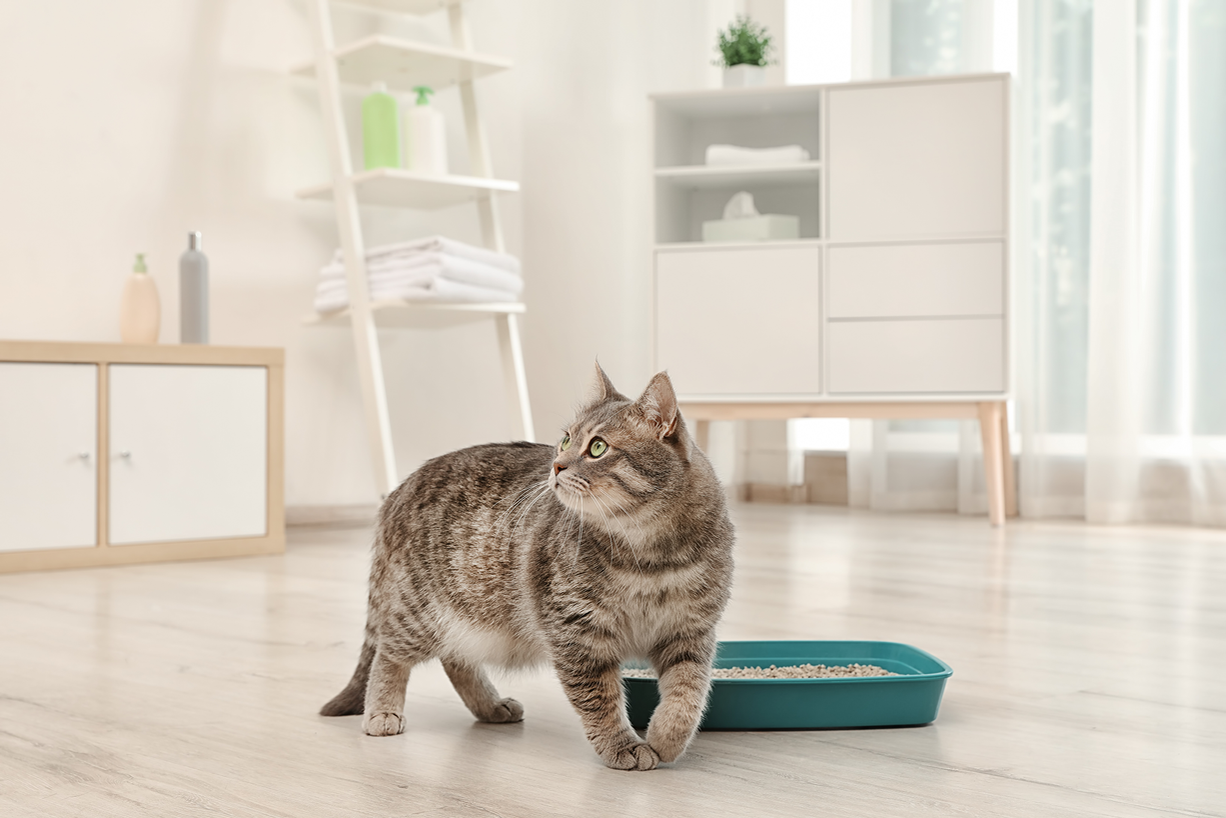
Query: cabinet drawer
[(739, 321), (913, 280), (966, 355)]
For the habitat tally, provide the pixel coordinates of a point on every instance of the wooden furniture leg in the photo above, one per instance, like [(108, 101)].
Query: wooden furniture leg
[(702, 433), (993, 465), (1007, 463)]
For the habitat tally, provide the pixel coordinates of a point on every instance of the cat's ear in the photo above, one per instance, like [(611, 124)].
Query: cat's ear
[(658, 406), (602, 388)]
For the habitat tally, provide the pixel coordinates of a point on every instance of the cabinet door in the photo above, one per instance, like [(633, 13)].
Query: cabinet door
[(48, 446), (739, 321), (918, 160), (189, 452)]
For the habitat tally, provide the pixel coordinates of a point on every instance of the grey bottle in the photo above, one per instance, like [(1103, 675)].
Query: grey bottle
[(193, 293)]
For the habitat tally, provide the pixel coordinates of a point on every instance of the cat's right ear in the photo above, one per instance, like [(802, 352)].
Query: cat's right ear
[(603, 388)]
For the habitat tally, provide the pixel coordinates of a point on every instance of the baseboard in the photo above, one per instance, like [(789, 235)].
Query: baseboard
[(353, 516)]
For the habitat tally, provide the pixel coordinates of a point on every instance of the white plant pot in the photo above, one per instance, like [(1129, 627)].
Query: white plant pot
[(744, 76)]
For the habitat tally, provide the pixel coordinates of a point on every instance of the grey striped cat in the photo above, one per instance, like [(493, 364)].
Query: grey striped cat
[(614, 544)]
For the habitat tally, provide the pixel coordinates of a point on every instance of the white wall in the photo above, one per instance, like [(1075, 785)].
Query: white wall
[(130, 122)]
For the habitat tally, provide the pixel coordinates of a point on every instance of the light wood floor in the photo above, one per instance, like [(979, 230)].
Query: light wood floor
[(1089, 680)]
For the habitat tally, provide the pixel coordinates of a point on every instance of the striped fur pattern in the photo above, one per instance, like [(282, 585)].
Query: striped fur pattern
[(614, 544)]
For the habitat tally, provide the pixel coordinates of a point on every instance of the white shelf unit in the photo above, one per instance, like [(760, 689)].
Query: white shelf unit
[(403, 64), (893, 303)]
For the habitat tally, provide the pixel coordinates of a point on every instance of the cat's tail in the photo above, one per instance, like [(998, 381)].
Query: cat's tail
[(352, 700)]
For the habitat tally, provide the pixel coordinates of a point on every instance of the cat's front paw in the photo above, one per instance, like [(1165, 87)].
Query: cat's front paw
[(383, 724), (635, 757), (506, 712)]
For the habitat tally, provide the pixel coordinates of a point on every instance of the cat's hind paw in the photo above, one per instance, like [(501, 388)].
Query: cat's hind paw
[(383, 724), (634, 757), (505, 712)]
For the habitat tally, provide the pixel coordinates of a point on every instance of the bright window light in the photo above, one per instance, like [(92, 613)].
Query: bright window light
[(1004, 36), (818, 41), (819, 434)]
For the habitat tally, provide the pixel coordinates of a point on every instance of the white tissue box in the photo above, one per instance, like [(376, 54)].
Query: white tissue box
[(767, 227)]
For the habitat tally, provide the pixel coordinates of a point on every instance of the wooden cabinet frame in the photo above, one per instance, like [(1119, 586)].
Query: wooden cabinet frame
[(103, 355)]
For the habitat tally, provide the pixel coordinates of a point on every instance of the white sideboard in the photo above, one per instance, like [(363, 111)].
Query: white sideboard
[(120, 453), (893, 301)]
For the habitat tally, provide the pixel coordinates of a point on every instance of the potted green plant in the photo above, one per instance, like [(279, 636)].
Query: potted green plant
[(745, 51)]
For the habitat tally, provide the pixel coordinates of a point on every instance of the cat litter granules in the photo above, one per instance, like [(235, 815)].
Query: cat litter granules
[(774, 672)]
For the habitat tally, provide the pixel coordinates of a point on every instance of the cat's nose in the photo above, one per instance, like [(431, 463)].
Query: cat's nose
[(557, 467)]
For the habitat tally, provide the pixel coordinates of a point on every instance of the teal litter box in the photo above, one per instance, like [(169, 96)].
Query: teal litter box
[(910, 698)]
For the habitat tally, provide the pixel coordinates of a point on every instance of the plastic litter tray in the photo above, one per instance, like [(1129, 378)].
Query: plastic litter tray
[(911, 698)]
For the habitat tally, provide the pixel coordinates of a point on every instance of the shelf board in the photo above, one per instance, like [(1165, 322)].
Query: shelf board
[(403, 64), (418, 7), (707, 177), (736, 102), (699, 245), (392, 187), (398, 312)]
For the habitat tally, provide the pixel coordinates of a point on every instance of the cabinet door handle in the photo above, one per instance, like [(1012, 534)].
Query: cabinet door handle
[(125, 454), (84, 456)]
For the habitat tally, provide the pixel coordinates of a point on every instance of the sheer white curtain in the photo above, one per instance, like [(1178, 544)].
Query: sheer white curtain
[(1143, 370), (1120, 266)]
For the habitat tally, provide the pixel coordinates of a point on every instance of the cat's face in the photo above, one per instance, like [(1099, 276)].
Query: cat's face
[(619, 455)]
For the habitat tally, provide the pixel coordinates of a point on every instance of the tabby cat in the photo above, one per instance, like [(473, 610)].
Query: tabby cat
[(615, 544)]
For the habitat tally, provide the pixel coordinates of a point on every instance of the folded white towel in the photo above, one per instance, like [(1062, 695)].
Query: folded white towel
[(438, 244), (736, 155), (429, 266), (437, 290)]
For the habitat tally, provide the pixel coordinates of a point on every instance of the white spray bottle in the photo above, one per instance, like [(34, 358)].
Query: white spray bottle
[(425, 135)]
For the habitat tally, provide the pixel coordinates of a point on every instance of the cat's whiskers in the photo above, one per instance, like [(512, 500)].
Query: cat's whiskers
[(515, 502), (625, 534), (643, 538), (543, 489)]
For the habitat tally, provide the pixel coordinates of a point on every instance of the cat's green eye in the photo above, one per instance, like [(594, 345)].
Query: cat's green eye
[(565, 444), (597, 448)]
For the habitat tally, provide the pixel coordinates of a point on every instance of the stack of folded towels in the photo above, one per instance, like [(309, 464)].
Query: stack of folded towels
[(429, 269), (736, 155)]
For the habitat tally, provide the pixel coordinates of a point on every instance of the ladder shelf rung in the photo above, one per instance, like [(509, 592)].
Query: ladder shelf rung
[(403, 64)]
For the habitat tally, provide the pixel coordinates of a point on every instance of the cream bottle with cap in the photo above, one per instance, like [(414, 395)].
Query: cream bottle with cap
[(140, 311)]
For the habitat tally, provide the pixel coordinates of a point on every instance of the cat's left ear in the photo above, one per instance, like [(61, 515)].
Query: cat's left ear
[(658, 406)]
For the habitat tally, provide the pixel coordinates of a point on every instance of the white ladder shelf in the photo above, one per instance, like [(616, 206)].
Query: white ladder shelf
[(404, 64)]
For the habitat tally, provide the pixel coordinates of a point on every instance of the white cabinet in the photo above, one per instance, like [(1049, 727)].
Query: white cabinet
[(48, 451), (892, 302), (918, 159), (121, 453), (903, 209), (188, 452), (704, 300)]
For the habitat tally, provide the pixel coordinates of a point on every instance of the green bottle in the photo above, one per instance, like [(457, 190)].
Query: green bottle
[(380, 129)]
